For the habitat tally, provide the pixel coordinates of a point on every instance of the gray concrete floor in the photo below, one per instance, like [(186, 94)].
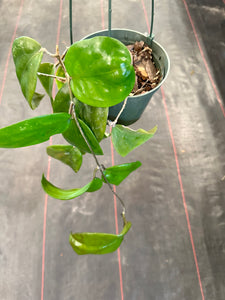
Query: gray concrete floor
[(175, 201)]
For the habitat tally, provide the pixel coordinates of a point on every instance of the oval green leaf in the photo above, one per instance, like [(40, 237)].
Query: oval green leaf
[(27, 56), (67, 154), (33, 131), (116, 174), (97, 243), (126, 139), (46, 81), (62, 100), (62, 194), (101, 71), (74, 137), (94, 117), (60, 73)]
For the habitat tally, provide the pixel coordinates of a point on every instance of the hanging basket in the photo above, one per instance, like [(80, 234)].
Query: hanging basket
[(136, 104)]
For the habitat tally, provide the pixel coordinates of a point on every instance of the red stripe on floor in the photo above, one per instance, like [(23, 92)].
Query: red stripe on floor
[(116, 224), (44, 232), (180, 179), (204, 60), (146, 15), (10, 49), (48, 175), (182, 193), (114, 188)]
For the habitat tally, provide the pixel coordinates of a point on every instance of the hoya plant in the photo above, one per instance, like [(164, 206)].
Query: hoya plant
[(91, 75)]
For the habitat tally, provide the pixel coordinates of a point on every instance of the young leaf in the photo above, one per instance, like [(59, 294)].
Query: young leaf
[(60, 73), (74, 137), (62, 194), (116, 174), (68, 154), (62, 100), (27, 56), (94, 117), (97, 243), (33, 131), (125, 139), (46, 81), (101, 70)]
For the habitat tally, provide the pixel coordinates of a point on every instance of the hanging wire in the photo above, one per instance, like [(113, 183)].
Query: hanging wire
[(109, 17), (151, 35), (71, 23)]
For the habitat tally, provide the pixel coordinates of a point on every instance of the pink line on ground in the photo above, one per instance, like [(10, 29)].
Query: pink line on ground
[(204, 59), (182, 193), (10, 48), (116, 224), (114, 188), (48, 175), (44, 231), (146, 15), (180, 179)]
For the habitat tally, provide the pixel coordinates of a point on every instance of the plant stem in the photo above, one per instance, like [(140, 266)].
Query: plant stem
[(113, 124), (74, 116), (100, 167), (63, 79)]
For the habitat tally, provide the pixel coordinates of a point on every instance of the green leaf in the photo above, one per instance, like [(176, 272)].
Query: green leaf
[(97, 243), (74, 137), (126, 139), (36, 99), (94, 117), (101, 70), (27, 56), (62, 100), (33, 131), (116, 174), (46, 81), (60, 73), (67, 154), (62, 194)]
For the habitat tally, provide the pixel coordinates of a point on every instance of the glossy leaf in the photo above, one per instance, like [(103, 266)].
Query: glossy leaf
[(27, 56), (116, 174), (33, 131), (94, 117), (126, 139), (36, 99), (101, 70), (62, 100), (67, 154), (60, 73), (97, 243), (74, 137), (46, 81), (62, 194)]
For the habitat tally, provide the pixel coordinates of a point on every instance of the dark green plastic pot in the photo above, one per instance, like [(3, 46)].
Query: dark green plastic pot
[(136, 104)]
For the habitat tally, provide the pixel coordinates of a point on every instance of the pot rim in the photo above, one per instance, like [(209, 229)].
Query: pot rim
[(153, 41)]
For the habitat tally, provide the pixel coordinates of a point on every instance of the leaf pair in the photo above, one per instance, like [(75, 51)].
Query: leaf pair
[(114, 175)]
